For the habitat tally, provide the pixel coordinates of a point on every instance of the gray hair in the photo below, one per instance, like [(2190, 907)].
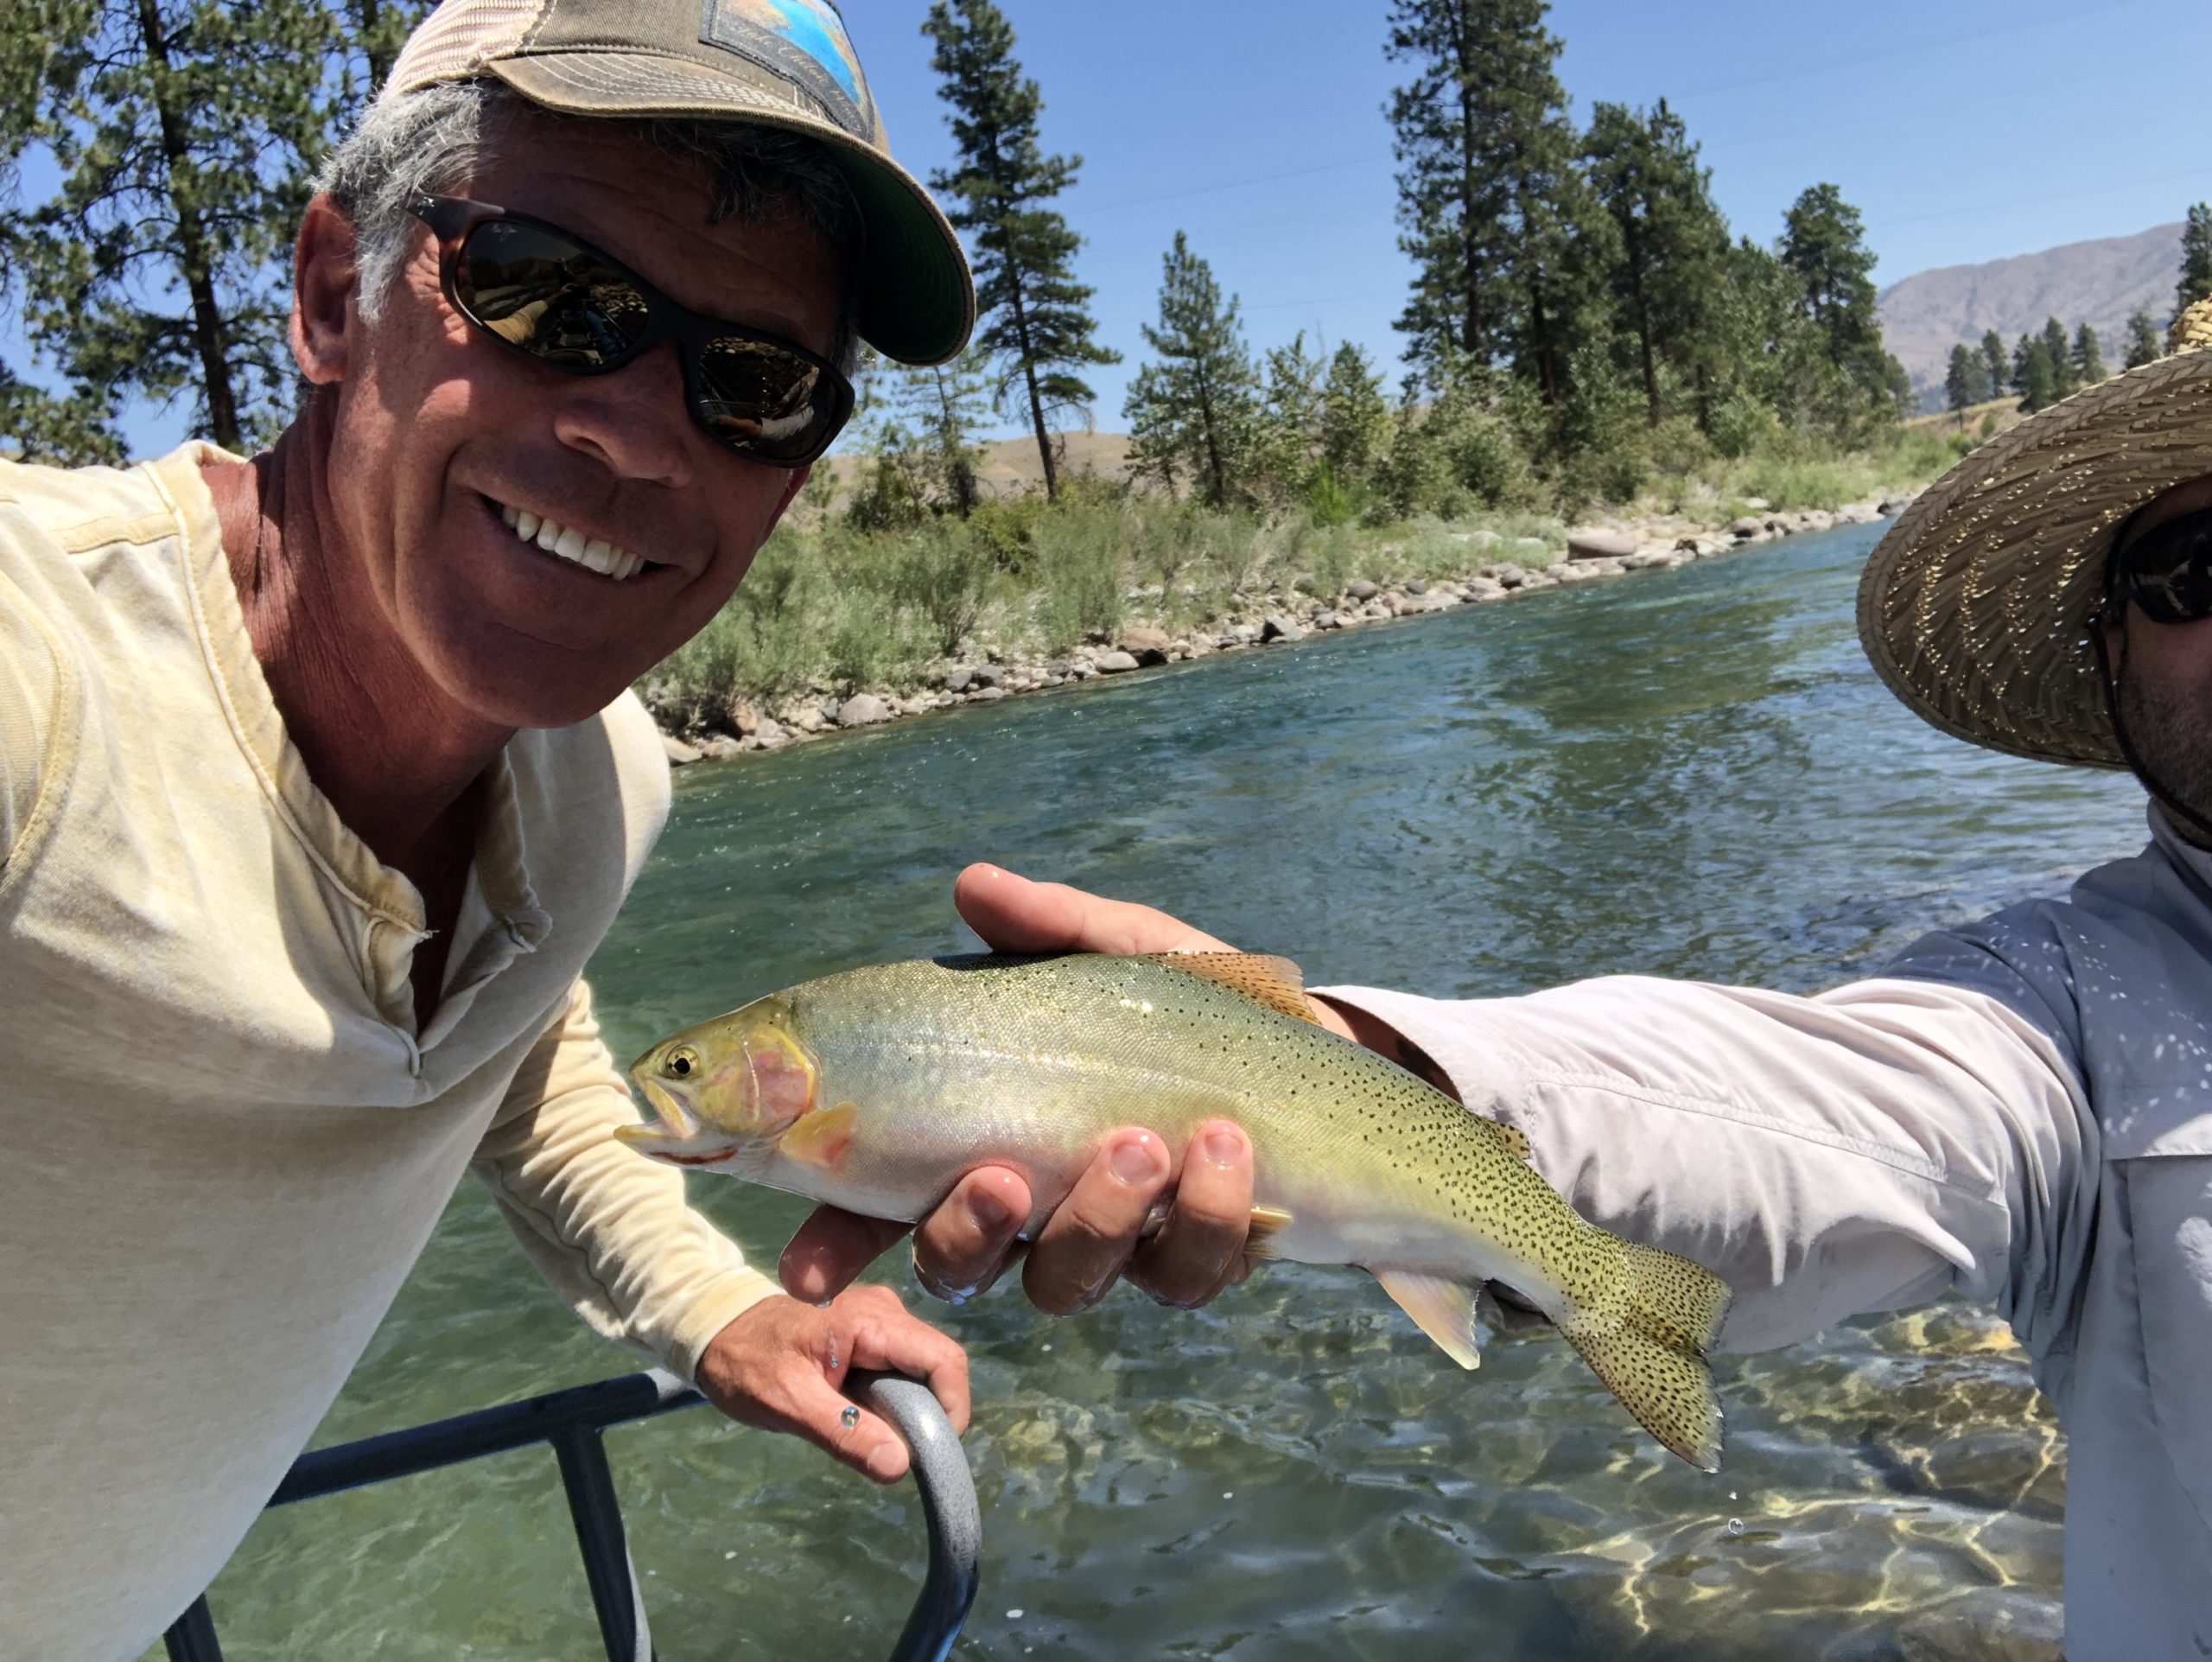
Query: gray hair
[(433, 139)]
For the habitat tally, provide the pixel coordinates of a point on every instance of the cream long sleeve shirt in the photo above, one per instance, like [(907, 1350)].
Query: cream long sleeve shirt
[(223, 1137), (2020, 1110)]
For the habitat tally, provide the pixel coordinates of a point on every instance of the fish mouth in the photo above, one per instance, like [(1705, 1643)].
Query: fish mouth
[(675, 1121)]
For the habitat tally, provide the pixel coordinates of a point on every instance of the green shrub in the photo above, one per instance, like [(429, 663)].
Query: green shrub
[(942, 573), (1080, 571)]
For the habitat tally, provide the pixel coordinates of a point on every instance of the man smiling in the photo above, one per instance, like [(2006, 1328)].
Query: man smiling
[(320, 782)]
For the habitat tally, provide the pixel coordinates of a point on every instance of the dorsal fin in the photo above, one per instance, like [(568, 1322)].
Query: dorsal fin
[(1274, 982)]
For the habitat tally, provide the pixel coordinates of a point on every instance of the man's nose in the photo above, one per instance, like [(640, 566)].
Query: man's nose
[(632, 420)]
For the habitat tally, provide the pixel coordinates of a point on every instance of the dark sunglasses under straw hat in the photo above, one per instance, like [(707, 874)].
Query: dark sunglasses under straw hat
[(776, 63), (1979, 609)]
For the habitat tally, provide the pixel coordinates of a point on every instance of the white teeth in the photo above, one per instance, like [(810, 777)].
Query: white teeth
[(593, 554)]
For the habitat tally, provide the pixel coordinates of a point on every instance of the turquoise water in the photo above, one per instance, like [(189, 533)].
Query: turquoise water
[(1689, 772)]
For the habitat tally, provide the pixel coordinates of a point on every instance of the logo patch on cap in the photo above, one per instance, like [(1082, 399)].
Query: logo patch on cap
[(804, 42)]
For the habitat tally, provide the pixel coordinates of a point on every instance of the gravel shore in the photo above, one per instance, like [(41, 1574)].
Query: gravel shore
[(1498, 570)]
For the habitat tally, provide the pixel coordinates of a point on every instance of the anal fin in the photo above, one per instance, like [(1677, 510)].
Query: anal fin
[(1442, 1309)]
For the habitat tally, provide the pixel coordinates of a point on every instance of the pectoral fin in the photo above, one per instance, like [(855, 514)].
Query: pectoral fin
[(820, 1138), (1266, 1223), (1443, 1309)]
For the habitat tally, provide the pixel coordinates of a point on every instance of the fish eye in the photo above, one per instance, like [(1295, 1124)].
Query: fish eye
[(681, 1061)]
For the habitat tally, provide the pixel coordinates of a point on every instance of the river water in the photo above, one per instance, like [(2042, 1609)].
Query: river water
[(1687, 772)]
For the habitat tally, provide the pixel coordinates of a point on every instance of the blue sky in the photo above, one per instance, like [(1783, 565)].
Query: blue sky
[(1964, 130)]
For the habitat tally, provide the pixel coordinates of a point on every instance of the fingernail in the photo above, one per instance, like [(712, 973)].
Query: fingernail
[(1134, 1161), (883, 1462), (1224, 1146), (989, 1211)]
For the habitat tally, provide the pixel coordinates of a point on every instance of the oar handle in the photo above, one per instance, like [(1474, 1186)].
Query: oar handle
[(948, 1491)]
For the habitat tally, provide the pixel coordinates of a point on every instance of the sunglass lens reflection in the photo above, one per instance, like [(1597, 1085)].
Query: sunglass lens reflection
[(760, 398), (546, 295)]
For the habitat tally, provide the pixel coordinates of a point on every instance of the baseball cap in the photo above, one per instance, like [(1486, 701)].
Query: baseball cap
[(775, 63)]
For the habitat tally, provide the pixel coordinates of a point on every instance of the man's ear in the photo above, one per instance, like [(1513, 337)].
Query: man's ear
[(324, 272)]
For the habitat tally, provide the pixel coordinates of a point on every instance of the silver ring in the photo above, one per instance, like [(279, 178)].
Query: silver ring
[(849, 1417)]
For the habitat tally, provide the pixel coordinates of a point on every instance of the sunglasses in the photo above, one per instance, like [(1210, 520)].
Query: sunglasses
[(2168, 572), (559, 302)]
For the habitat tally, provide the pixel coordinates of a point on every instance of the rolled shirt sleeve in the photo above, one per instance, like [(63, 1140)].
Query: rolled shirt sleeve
[(1865, 1149), (609, 1229)]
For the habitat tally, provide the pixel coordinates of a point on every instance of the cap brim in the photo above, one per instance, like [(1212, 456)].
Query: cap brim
[(917, 299), (1976, 607)]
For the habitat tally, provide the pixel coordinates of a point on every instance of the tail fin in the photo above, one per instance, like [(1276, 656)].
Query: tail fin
[(1647, 1338)]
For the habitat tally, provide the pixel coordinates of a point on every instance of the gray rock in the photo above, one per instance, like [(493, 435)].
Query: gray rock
[(1416, 586), (680, 754), (721, 748), (1658, 556), (1326, 621), (1280, 628), (807, 719), (1360, 588), (1889, 505), (1116, 663), (1745, 526), (1509, 577), (990, 675), (1484, 589), (862, 710), (959, 679), (1599, 543), (985, 694), (744, 716), (770, 734), (1143, 638)]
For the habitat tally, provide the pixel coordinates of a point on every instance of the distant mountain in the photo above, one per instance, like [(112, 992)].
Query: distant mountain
[(2098, 282)]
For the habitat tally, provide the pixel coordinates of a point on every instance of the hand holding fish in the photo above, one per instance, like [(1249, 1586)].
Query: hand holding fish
[(874, 1090), (1093, 1236), (778, 1366)]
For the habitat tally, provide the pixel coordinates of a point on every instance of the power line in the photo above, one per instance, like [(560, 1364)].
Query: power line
[(2070, 17)]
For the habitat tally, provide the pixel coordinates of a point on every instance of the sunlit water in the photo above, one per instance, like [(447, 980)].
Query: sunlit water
[(1689, 772)]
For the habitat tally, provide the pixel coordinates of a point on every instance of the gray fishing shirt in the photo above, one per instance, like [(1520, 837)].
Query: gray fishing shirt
[(2019, 1111)]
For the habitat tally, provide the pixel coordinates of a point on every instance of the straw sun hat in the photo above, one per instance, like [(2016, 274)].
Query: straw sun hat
[(1976, 606)]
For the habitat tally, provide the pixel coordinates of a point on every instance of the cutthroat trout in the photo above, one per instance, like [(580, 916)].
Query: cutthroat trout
[(877, 1090)]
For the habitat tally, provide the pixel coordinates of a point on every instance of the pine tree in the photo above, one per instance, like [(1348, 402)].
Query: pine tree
[(1824, 247), (1997, 363), (2089, 358), (2145, 344), (1492, 209), (1036, 323), (182, 132), (1355, 416), (2033, 377), (2060, 352), (1287, 436), (1965, 382), (1197, 401), (1644, 173), (2196, 282)]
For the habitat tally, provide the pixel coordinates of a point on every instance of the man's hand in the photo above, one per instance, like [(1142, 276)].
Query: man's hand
[(780, 1364), (1091, 1236)]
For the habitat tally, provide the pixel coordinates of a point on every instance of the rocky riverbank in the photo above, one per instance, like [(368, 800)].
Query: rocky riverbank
[(1498, 570)]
